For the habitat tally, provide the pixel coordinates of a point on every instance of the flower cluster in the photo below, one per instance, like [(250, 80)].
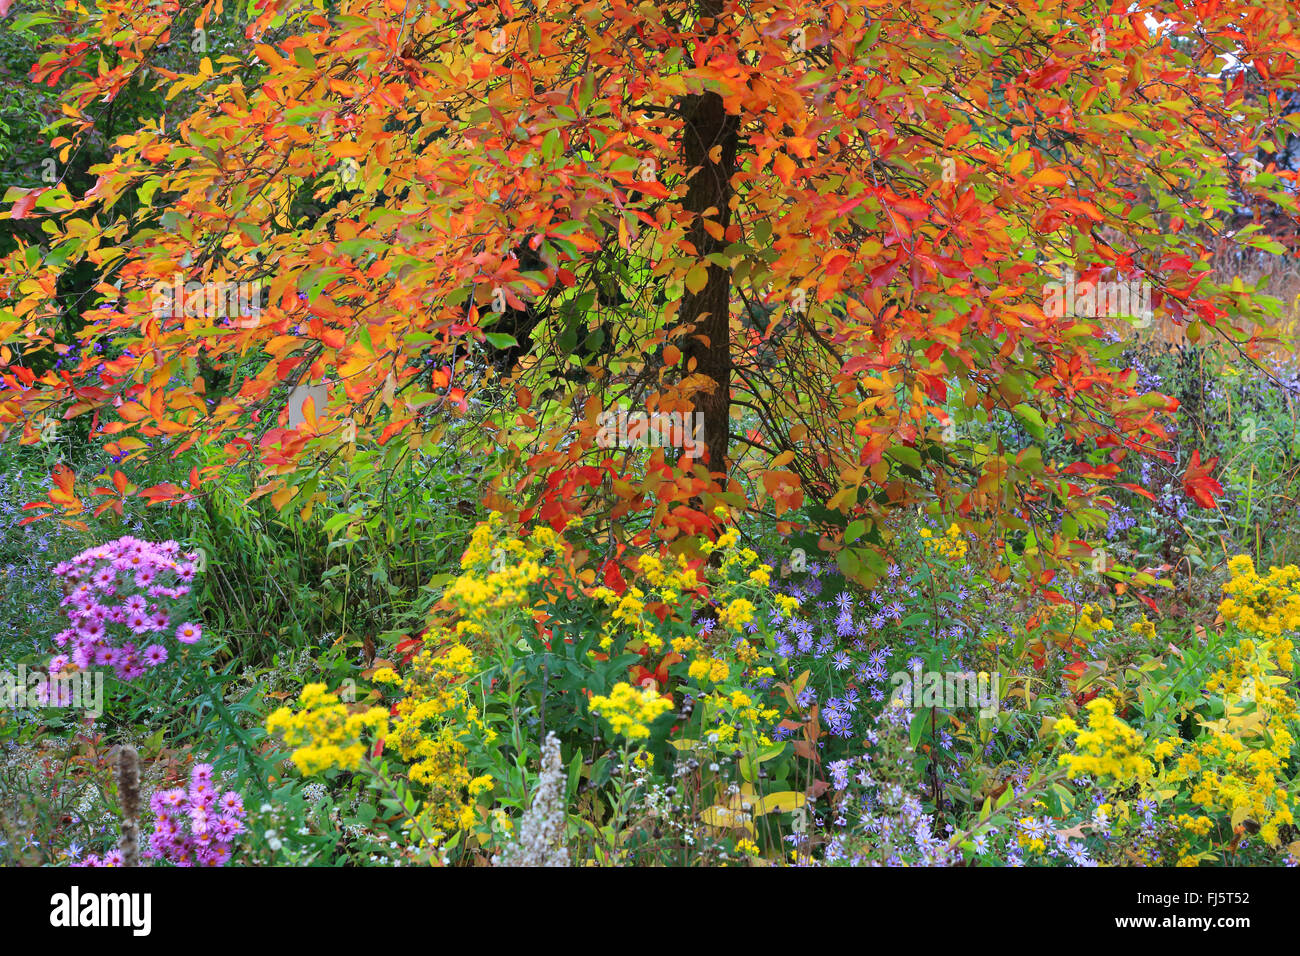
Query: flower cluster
[(668, 583), (541, 840), (1093, 618), (1108, 747), (1233, 777), (117, 597), (1265, 605), (735, 717), (951, 545), (194, 827), (629, 711), (1238, 766), (431, 720), (1144, 627), (324, 733), (496, 576)]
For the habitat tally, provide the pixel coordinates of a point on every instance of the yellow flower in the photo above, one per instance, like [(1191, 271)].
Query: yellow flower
[(325, 735), (736, 613), (1241, 565), (708, 669), (629, 711), (1109, 747), (431, 723)]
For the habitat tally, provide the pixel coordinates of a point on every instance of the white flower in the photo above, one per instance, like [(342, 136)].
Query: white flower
[(542, 829)]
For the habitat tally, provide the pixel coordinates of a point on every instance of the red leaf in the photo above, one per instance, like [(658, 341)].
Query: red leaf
[(1198, 483), (1138, 489), (24, 205), (613, 579)]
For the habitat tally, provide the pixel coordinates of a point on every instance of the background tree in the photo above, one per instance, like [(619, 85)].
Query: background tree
[(890, 186)]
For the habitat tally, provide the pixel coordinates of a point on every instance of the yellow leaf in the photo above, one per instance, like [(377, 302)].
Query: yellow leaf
[(782, 802), (697, 278), (280, 498), (726, 819)]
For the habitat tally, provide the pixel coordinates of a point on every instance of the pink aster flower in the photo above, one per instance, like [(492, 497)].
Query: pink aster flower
[(83, 654), (188, 633), (91, 630), (202, 796), (231, 804), (154, 655), (226, 829), (216, 855)]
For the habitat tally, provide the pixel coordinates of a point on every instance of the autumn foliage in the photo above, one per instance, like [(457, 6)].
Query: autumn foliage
[(827, 225)]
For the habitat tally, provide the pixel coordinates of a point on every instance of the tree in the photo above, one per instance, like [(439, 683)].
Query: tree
[(839, 221)]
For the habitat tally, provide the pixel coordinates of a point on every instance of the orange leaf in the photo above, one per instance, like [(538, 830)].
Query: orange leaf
[(1048, 177)]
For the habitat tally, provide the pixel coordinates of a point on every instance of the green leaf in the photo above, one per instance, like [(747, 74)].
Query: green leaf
[(919, 723)]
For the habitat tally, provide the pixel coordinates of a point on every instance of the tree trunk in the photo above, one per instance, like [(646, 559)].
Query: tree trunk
[(707, 126)]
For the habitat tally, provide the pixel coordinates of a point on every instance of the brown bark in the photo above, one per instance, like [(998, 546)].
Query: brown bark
[(707, 125)]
